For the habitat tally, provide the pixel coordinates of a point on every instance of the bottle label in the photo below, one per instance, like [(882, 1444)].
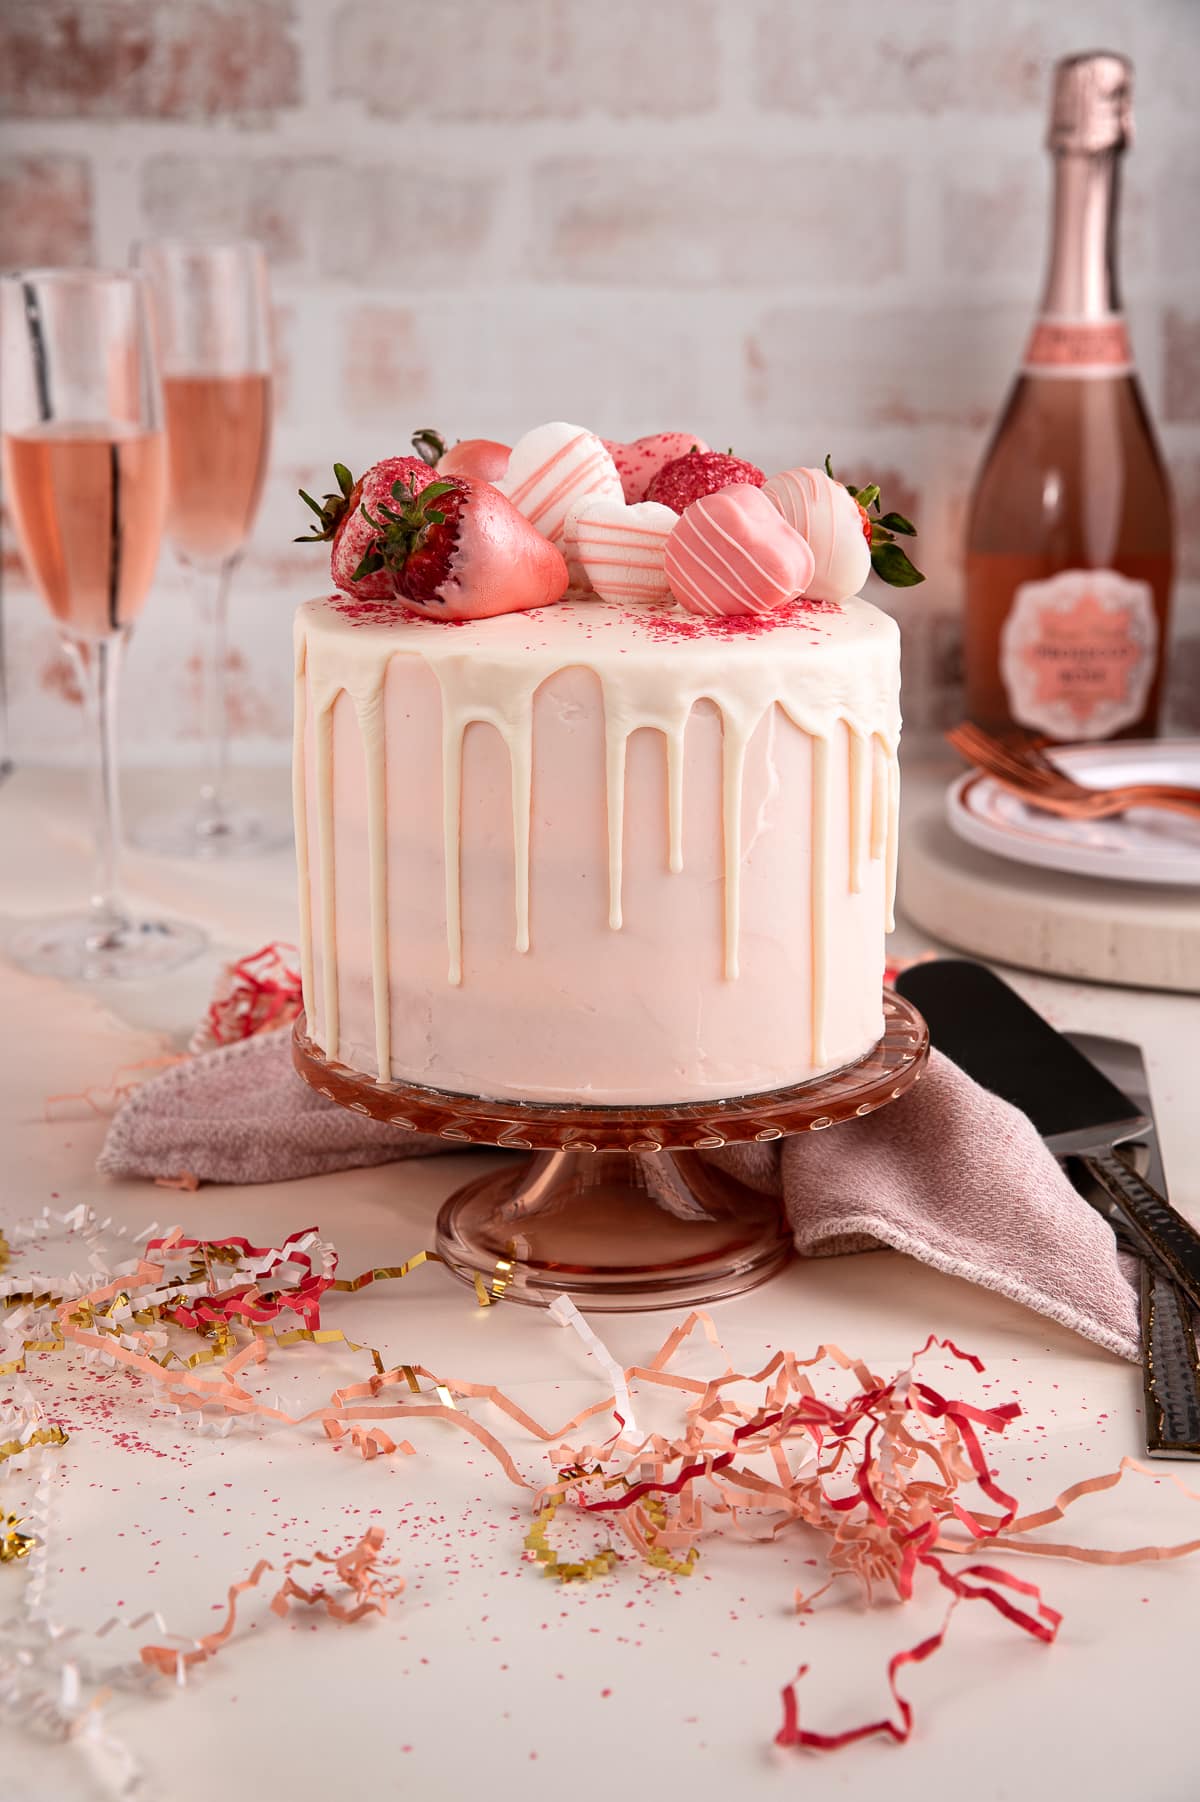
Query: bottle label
[(1077, 653), (1078, 347)]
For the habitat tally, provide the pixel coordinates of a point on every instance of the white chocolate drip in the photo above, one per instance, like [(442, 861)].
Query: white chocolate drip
[(616, 742), (370, 725), (497, 686), (300, 812), (819, 893), (323, 730)]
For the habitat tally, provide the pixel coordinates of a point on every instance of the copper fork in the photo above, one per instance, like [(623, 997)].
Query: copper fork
[(1029, 773)]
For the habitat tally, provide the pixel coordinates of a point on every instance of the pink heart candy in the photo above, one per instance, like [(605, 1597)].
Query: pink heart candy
[(733, 553)]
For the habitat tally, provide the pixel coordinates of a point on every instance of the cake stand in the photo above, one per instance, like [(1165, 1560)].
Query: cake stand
[(618, 1207)]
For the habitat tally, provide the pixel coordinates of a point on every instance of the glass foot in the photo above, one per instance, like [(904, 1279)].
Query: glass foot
[(80, 948), (231, 832), (614, 1230)]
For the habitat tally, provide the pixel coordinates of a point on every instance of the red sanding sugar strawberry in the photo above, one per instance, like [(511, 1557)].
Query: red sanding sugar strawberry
[(343, 522), (691, 477), (484, 459), (454, 548), (639, 462)]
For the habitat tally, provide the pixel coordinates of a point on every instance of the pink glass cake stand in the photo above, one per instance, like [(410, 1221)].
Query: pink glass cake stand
[(617, 1206)]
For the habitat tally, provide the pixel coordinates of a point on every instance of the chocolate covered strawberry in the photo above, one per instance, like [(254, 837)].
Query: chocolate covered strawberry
[(639, 462), (345, 526), (691, 477), (484, 459), (890, 563), (454, 548)]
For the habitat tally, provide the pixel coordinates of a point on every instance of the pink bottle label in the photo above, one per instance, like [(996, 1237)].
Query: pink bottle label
[(1079, 347), (1077, 653)]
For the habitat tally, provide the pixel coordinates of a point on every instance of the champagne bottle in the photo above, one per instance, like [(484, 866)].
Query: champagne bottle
[(1069, 546)]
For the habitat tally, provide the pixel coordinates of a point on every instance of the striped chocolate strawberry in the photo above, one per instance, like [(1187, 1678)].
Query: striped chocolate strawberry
[(888, 560)]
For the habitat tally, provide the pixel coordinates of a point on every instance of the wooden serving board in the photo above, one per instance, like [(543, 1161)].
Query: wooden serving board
[(1122, 932)]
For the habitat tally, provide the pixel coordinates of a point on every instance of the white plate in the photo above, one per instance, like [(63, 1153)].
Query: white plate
[(1144, 845)]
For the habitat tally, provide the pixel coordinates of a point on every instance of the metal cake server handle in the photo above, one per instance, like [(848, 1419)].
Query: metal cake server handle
[(1170, 1369), (1169, 1238)]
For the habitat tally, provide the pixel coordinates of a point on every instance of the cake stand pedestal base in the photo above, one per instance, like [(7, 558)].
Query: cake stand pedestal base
[(615, 1230), (618, 1207)]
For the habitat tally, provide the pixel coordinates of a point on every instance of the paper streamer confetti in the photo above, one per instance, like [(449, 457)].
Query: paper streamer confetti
[(895, 1478), (368, 1592)]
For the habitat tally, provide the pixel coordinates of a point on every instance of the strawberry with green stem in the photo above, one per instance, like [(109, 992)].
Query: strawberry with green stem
[(455, 549), (342, 522), (888, 559)]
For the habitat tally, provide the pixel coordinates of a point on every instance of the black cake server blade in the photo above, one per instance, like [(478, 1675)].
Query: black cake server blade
[(1170, 1372), (985, 1026)]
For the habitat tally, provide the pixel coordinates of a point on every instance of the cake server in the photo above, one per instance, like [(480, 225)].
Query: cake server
[(960, 1001), (1170, 1370), (983, 1025)]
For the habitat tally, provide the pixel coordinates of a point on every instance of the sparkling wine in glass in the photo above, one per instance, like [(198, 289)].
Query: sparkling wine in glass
[(85, 474), (213, 317), (1070, 541)]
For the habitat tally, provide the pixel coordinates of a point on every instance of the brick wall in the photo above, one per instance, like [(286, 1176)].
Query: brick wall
[(789, 225)]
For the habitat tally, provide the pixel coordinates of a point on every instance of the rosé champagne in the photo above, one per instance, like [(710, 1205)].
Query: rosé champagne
[(88, 502), (1070, 537), (218, 438)]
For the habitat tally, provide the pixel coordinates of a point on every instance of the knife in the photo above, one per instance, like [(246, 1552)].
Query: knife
[(957, 1008), (984, 1026), (1170, 1369)]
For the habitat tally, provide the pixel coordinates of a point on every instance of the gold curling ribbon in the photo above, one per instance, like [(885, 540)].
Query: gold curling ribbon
[(4, 1250), (13, 1544), (582, 1570), (657, 1555), (11, 1448)]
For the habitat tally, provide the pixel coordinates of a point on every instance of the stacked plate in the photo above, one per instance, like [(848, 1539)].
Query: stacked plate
[(1145, 845)]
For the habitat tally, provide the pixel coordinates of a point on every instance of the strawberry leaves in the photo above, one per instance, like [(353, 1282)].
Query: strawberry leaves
[(330, 509), (401, 529), (888, 559)]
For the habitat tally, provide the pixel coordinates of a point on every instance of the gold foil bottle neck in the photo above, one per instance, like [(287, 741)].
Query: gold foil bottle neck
[(1091, 103)]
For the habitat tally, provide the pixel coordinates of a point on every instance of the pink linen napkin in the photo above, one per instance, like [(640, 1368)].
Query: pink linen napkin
[(949, 1174)]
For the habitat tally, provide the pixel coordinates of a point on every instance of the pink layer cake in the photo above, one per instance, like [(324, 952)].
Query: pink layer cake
[(596, 851)]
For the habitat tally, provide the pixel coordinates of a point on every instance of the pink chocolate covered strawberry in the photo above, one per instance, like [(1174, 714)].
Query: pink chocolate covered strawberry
[(733, 553), (691, 477), (343, 522), (483, 459), (638, 463), (454, 548)]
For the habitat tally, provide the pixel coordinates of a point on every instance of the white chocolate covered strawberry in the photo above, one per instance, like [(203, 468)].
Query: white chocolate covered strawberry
[(620, 549), (847, 542), (829, 517), (555, 470)]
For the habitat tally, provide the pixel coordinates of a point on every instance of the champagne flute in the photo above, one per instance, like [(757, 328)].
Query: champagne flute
[(85, 472), (212, 312)]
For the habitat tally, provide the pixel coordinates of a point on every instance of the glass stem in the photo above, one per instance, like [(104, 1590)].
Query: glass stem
[(213, 587), (97, 665)]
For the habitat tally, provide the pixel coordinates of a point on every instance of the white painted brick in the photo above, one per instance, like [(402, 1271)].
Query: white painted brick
[(482, 59), (718, 217), (895, 366)]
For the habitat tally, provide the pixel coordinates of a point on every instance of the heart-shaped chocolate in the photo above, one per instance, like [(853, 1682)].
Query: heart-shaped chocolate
[(620, 549), (733, 553)]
